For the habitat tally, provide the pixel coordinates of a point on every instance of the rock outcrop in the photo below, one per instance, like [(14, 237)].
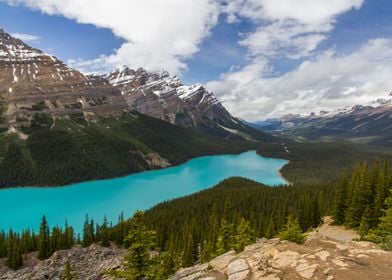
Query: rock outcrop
[(88, 263), (329, 253)]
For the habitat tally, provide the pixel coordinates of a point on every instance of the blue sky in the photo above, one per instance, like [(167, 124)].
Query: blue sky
[(220, 45)]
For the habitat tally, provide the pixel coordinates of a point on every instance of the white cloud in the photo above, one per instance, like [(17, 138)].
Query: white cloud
[(159, 34), (27, 37), (327, 82), (287, 28), (292, 30)]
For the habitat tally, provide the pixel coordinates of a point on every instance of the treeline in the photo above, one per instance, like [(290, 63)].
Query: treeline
[(15, 246), (363, 201)]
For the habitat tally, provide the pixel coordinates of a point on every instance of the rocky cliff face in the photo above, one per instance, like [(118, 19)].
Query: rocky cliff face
[(32, 82), (165, 97)]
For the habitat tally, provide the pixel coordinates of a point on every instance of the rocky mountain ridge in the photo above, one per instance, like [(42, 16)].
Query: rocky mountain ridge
[(164, 96), (370, 124), (33, 83)]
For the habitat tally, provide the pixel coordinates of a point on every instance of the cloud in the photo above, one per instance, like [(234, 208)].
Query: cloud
[(287, 28), (27, 37), (159, 34), (329, 81)]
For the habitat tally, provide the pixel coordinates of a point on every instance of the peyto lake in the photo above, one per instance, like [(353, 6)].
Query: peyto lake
[(22, 208)]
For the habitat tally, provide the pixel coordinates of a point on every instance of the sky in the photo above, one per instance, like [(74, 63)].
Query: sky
[(261, 58)]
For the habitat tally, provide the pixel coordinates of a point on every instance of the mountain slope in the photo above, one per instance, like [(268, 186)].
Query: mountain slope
[(33, 84), (165, 97), (58, 126), (365, 124)]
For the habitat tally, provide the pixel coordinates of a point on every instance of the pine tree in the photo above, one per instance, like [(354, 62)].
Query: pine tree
[(14, 254), (68, 237), (315, 213), (361, 197), (190, 252), (225, 237), (244, 235), (104, 232), (270, 232), (68, 272), (88, 232), (166, 266), (44, 250), (208, 247), (383, 232), (139, 263), (3, 244), (340, 203), (364, 226), (292, 231)]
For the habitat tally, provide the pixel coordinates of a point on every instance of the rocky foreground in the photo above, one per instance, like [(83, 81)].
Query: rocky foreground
[(329, 253), (89, 263)]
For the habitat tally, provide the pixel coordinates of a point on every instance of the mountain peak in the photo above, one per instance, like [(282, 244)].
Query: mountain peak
[(33, 82)]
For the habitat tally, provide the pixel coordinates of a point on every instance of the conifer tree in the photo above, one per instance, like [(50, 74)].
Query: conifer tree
[(190, 251), (104, 233), (166, 266), (139, 263), (364, 226), (244, 235), (340, 203), (14, 254), (44, 250), (225, 237), (3, 244), (270, 232), (88, 232), (383, 232), (361, 197), (292, 231), (69, 272)]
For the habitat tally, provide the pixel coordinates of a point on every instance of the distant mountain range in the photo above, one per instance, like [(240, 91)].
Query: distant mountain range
[(364, 124), (58, 125)]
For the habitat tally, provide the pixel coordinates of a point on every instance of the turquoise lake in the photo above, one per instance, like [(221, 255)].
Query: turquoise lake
[(22, 208)]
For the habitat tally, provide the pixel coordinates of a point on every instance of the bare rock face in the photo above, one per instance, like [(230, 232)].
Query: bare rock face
[(34, 83), (165, 97), (88, 263), (329, 253)]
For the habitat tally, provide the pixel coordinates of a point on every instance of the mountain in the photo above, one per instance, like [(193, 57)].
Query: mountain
[(365, 124), (165, 97), (34, 84), (58, 126)]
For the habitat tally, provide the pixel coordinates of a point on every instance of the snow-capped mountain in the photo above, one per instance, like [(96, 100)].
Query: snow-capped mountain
[(33, 83), (371, 124), (165, 97)]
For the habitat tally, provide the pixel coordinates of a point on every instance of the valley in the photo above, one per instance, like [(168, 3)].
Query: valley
[(131, 154)]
